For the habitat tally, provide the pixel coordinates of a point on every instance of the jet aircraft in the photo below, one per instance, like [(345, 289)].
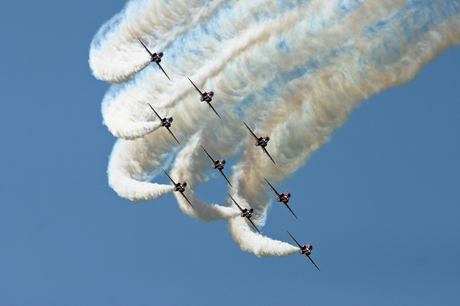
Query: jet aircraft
[(166, 122), (155, 57), (206, 97), (305, 249), (218, 164), (245, 213), (261, 142), (282, 197), (179, 187)]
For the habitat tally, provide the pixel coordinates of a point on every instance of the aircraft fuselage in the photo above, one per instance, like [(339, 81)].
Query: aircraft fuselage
[(166, 122), (306, 249), (219, 164), (207, 96), (156, 57), (247, 213), (180, 187), (283, 198), (262, 141)]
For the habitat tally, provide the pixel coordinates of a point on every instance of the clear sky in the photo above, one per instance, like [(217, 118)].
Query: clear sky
[(380, 201)]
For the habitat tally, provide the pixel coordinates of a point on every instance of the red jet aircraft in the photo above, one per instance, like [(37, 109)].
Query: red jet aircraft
[(155, 57), (218, 164), (179, 187), (305, 249), (245, 213), (282, 197), (206, 97), (260, 142), (166, 122)]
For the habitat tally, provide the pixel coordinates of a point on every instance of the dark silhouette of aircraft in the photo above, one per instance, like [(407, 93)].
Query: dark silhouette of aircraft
[(245, 213), (305, 249), (218, 164), (178, 187), (155, 57), (261, 142), (206, 97), (166, 122), (282, 197)]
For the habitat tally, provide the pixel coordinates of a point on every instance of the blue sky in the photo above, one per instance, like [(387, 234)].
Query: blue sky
[(380, 200)]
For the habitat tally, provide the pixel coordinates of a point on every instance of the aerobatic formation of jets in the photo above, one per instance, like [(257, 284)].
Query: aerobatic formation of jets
[(219, 164)]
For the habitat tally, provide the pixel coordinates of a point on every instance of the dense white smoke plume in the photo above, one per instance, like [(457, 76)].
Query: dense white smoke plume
[(293, 70)]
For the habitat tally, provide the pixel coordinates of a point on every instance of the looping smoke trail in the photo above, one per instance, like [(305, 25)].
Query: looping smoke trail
[(184, 166), (115, 55), (257, 244), (128, 175), (293, 70)]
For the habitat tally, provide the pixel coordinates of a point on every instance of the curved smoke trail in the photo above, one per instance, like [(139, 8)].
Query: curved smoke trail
[(294, 70)]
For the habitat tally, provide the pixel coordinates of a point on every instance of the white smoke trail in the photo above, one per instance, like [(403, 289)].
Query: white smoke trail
[(184, 168), (293, 70), (212, 61), (115, 54), (127, 174)]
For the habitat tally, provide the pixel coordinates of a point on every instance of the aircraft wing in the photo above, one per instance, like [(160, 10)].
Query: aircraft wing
[(187, 200), (313, 262), (208, 154), (209, 103), (272, 187), (253, 225), (235, 202), (195, 86), (287, 206), (294, 240), (163, 71), (173, 135), (155, 112), (225, 177), (169, 177), (151, 55), (251, 131), (266, 152)]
